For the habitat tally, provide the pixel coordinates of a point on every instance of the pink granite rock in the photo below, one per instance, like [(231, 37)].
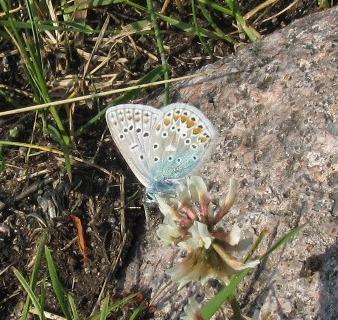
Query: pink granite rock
[(275, 106)]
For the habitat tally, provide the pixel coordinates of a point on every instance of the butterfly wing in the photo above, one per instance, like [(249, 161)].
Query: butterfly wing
[(131, 126), (182, 140)]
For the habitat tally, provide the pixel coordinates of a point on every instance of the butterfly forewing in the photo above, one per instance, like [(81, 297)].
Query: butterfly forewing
[(131, 127)]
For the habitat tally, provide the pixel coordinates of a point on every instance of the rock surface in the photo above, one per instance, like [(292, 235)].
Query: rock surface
[(275, 106)]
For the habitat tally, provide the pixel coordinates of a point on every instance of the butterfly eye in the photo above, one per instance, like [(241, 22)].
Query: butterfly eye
[(193, 146), (146, 134), (185, 113), (131, 127), (155, 159), (187, 141), (121, 136), (179, 160), (141, 157), (155, 146), (173, 128), (125, 130), (193, 118), (177, 111), (164, 134), (138, 130), (170, 158), (194, 157)]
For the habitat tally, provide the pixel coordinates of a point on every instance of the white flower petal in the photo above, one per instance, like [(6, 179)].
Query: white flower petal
[(234, 235), (168, 231), (251, 264), (204, 234), (200, 236), (197, 188), (165, 208)]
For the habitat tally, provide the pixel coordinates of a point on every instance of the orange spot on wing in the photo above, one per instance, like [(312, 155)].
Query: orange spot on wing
[(183, 118), (203, 139), (167, 121), (190, 123), (197, 130)]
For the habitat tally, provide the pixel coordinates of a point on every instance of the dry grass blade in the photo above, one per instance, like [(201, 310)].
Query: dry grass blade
[(99, 94)]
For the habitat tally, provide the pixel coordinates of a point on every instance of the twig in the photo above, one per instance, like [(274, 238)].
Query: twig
[(31, 189)]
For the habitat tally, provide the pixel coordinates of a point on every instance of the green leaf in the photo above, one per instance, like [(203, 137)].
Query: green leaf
[(50, 26), (34, 276), (73, 307), (84, 5), (30, 293), (214, 304), (288, 237), (104, 312), (252, 34), (115, 306), (255, 245), (160, 47), (137, 313), (65, 148), (56, 284)]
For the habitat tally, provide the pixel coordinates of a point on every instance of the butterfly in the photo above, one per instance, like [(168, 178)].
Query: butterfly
[(161, 146)]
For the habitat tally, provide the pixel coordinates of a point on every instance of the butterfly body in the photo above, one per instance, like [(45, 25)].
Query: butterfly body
[(161, 146)]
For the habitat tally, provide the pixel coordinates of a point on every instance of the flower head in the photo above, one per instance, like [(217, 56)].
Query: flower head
[(190, 221)]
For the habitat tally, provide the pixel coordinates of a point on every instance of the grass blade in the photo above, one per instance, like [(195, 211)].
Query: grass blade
[(30, 293), (34, 276), (288, 237), (154, 75), (104, 312), (197, 28), (137, 313), (73, 308), (213, 305), (115, 306), (160, 47), (56, 284)]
